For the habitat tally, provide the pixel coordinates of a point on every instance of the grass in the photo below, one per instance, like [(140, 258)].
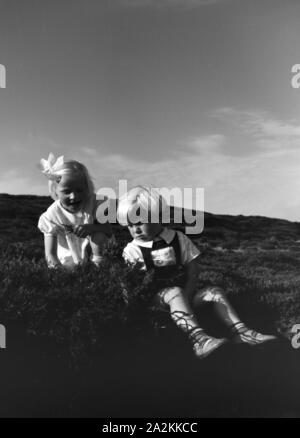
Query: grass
[(78, 346)]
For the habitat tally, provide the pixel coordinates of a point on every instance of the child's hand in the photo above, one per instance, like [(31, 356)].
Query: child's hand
[(54, 264), (83, 230)]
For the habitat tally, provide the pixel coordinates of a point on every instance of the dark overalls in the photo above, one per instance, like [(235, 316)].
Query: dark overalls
[(167, 273)]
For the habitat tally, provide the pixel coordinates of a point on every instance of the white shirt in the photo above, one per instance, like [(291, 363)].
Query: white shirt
[(71, 249), (133, 254)]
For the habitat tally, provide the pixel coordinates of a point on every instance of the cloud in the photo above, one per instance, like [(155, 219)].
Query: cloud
[(265, 182), (181, 167), (267, 133), (269, 177), (206, 144), (90, 151), (14, 182)]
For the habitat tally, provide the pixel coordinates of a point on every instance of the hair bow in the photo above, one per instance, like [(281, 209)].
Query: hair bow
[(51, 165)]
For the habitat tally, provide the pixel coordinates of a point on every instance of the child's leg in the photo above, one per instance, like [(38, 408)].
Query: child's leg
[(223, 308), (97, 241), (180, 311), (183, 317), (228, 315)]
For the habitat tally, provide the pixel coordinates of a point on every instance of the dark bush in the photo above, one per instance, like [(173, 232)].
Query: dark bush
[(78, 310)]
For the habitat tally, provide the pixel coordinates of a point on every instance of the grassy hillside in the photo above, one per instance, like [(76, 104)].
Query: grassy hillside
[(254, 256), (19, 215), (56, 320)]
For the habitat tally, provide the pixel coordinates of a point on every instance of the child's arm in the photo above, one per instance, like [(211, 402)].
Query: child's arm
[(192, 273), (90, 229), (50, 243), (96, 227)]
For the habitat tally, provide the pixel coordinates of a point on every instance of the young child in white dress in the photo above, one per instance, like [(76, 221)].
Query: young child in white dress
[(167, 251), (69, 225)]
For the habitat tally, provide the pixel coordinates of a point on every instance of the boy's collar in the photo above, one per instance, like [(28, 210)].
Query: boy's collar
[(166, 234)]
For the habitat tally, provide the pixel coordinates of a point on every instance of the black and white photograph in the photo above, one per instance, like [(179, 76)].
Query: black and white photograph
[(149, 211)]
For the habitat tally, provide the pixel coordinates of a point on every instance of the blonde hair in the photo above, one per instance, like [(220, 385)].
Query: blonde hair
[(62, 167), (141, 204)]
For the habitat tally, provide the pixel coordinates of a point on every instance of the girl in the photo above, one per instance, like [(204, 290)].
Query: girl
[(167, 252), (69, 224)]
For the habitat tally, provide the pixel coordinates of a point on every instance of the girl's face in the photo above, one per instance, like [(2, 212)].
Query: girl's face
[(72, 192), (144, 231)]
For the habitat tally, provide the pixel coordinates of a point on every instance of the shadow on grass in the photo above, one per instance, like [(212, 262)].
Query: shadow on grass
[(156, 376)]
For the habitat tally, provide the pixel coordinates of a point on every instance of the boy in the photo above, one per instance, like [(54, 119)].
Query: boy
[(169, 252)]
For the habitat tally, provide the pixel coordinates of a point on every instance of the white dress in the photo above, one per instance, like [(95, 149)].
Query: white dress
[(71, 249)]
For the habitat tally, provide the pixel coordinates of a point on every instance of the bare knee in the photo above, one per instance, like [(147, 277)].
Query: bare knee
[(209, 294), (171, 293)]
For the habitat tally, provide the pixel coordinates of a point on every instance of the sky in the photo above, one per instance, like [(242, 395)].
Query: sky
[(172, 93)]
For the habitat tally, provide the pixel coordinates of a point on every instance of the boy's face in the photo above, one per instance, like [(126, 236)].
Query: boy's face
[(72, 192), (144, 232)]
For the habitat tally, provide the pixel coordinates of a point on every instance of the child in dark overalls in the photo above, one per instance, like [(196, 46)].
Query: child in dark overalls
[(175, 261)]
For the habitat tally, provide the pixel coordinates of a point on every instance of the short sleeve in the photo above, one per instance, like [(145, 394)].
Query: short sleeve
[(127, 257), (46, 226), (188, 250), (132, 255)]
